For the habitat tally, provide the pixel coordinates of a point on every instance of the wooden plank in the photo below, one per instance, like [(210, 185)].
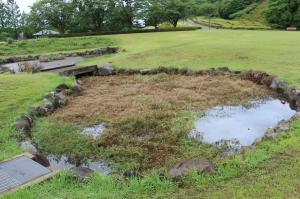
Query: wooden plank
[(56, 68)]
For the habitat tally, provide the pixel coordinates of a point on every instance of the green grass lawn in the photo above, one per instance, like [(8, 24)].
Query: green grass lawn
[(275, 52), (17, 94), (244, 22), (272, 171), (50, 45)]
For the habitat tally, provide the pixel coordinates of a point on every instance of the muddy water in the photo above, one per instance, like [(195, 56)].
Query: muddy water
[(94, 131), (63, 163), (239, 124)]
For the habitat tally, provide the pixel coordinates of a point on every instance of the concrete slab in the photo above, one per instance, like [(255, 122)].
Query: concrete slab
[(20, 171)]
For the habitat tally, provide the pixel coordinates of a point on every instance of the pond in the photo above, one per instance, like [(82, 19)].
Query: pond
[(239, 124), (95, 131), (62, 162)]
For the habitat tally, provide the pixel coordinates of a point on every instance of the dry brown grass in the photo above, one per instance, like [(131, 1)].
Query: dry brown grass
[(117, 98), (140, 112)]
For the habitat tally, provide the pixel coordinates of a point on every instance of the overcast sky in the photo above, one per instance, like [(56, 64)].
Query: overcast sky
[(23, 4)]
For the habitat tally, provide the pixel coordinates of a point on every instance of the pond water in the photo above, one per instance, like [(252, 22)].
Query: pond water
[(238, 124), (61, 162), (94, 131)]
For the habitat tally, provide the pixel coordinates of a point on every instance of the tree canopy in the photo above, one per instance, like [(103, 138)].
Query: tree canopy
[(77, 16)]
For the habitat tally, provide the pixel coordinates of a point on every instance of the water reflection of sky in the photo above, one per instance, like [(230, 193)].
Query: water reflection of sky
[(238, 122)]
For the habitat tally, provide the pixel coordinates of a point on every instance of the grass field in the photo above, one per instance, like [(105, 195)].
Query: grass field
[(244, 22), (50, 45), (271, 51), (17, 94), (272, 171)]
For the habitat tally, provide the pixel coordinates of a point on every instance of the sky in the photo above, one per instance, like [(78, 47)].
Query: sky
[(23, 4)]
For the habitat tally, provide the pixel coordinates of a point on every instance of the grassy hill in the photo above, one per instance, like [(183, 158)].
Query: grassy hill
[(258, 13), (254, 20)]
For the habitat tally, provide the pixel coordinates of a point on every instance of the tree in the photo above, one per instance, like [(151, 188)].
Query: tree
[(284, 13), (123, 14), (207, 9), (54, 13), (176, 10), (13, 17), (155, 14), (91, 14), (3, 16), (229, 7)]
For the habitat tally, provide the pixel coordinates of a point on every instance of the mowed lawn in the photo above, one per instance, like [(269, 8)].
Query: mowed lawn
[(272, 171), (276, 52), (17, 94)]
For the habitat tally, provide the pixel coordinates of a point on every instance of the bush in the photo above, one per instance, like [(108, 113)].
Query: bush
[(10, 41), (127, 32), (4, 36), (244, 11), (283, 13), (229, 7)]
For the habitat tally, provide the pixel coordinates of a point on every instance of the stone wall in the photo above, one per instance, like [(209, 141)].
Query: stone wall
[(87, 53), (58, 98)]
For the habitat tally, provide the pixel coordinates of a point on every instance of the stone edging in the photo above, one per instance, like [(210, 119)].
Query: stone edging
[(58, 98), (96, 52)]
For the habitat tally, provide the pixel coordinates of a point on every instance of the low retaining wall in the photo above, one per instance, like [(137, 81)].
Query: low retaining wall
[(58, 98), (96, 52)]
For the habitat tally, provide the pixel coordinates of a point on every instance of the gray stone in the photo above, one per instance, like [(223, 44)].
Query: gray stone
[(38, 111), (106, 70), (283, 126), (182, 168), (271, 133), (41, 159), (49, 96), (224, 69), (112, 50), (189, 72), (61, 88), (77, 89), (278, 86), (29, 147), (24, 124), (59, 100), (145, 71), (98, 52)]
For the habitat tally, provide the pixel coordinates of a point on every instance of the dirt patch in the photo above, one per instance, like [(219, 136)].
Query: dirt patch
[(157, 107)]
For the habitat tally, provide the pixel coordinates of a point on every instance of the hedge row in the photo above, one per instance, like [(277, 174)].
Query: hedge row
[(127, 32)]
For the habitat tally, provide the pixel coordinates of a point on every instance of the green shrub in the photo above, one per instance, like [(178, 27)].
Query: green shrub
[(229, 7), (244, 11), (4, 36), (10, 41), (127, 32)]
